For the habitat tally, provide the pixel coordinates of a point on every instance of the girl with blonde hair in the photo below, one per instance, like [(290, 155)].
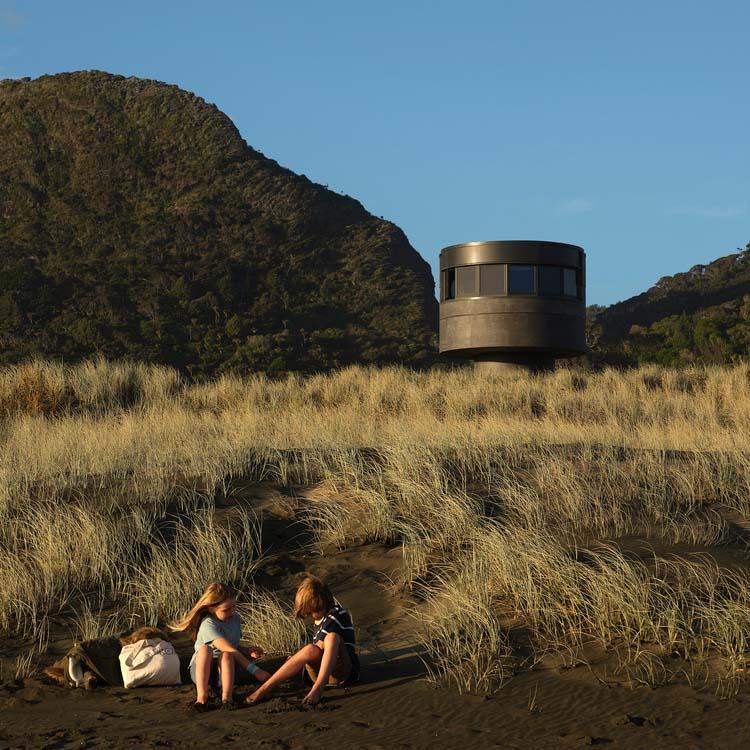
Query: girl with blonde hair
[(214, 625)]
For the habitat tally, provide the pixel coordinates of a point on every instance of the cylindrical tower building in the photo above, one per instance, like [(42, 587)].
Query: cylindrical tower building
[(516, 304)]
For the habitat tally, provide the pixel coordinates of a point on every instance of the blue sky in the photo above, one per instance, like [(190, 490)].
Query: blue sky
[(622, 127)]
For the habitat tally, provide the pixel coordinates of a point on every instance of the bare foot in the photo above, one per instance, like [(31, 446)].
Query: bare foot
[(253, 698)]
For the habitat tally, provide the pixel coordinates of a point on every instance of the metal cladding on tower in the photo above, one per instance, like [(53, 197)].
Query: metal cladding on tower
[(513, 304)]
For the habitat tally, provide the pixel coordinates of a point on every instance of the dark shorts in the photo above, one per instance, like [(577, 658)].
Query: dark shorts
[(344, 672)]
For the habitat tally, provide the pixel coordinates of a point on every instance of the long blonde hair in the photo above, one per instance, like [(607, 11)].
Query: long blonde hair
[(215, 594)]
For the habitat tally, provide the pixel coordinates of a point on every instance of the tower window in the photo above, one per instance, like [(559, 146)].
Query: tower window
[(492, 279), (570, 282), (520, 279), (550, 281), (449, 283), (466, 285)]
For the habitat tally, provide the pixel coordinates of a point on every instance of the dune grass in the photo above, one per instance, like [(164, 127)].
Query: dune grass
[(504, 495)]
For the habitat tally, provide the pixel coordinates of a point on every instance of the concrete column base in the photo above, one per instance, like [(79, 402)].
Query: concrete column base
[(509, 364)]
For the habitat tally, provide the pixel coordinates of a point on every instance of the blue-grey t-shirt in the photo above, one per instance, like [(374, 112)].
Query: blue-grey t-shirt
[(212, 628)]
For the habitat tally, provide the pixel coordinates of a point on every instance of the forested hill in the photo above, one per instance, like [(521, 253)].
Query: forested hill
[(136, 222), (702, 315)]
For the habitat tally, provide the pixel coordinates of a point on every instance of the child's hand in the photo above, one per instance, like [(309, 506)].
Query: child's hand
[(313, 697), (256, 652)]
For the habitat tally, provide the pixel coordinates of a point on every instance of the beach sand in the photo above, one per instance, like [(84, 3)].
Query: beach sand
[(394, 706)]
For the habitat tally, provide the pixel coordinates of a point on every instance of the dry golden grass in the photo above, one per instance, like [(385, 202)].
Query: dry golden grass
[(108, 475), (526, 586)]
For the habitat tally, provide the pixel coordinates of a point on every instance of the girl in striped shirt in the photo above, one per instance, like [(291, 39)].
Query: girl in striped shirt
[(331, 657)]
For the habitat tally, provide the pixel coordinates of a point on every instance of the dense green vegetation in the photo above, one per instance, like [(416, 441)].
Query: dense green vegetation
[(702, 315), (135, 221)]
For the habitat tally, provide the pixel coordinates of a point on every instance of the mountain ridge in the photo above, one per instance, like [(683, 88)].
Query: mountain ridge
[(136, 221), (699, 315)]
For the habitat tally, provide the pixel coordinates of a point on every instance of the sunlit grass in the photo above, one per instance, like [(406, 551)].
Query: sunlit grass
[(108, 474)]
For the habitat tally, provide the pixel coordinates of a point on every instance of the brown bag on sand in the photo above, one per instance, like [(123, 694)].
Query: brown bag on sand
[(98, 660)]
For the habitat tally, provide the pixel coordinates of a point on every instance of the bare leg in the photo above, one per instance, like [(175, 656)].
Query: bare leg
[(203, 659), (260, 674), (226, 670), (294, 665), (327, 665)]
